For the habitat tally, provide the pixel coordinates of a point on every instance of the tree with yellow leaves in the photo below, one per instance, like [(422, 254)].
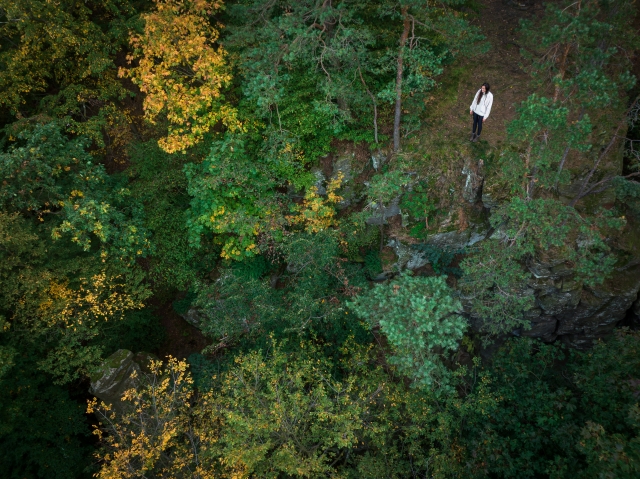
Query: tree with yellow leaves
[(272, 414), (181, 71), (77, 316), (152, 434), (317, 213)]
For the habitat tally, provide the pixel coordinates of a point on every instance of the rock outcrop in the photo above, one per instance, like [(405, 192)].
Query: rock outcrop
[(193, 317), (382, 213), (564, 309), (120, 372), (474, 172), (598, 309)]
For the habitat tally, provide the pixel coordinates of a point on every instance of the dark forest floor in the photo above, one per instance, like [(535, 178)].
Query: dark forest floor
[(182, 339)]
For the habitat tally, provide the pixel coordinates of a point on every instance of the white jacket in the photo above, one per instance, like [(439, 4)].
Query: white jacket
[(484, 108)]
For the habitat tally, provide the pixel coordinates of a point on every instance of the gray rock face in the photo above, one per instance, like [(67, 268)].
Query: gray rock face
[(348, 194), (544, 327), (581, 314), (472, 190), (555, 302), (635, 308), (416, 260), (545, 269), (377, 160), (488, 201), (451, 240), (565, 309), (120, 372), (455, 240), (192, 316), (408, 258), (600, 308), (342, 165), (382, 214), (320, 179)]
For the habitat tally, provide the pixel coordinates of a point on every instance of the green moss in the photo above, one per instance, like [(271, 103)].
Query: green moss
[(112, 362)]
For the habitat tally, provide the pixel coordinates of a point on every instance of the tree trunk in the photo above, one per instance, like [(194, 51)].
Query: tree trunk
[(562, 70), (398, 115), (375, 107)]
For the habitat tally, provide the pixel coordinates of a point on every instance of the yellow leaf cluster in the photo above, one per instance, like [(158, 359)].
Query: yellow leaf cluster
[(317, 213), (182, 71), (151, 435), (99, 298)]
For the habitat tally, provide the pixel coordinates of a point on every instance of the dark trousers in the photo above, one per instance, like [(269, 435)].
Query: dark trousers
[(477, 123)]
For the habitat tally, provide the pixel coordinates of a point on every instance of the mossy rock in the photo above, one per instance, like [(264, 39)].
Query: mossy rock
[(118, 373), (388, 258)]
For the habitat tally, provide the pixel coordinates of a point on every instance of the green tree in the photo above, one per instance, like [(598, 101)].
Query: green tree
[(233, 196), (59, 290), (531, 416), (286, 415), (361, 54), (157, 181), (418, 315), (527, 428), (58, 58), (576, 47), (302, 296), (43, 431), (53, 177)]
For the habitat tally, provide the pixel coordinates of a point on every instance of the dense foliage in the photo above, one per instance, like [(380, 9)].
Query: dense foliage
[(303, 414), (270, 170)]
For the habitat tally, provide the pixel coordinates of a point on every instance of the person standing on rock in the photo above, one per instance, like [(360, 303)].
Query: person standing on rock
[(480, 109)]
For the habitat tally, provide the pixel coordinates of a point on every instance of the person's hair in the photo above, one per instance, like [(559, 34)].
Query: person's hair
[(480, 94)]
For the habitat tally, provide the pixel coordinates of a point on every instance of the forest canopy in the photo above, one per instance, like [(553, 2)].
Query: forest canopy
[(251, 239)]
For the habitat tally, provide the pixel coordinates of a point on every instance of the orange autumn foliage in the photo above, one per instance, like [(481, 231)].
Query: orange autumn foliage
[(182, 71)]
